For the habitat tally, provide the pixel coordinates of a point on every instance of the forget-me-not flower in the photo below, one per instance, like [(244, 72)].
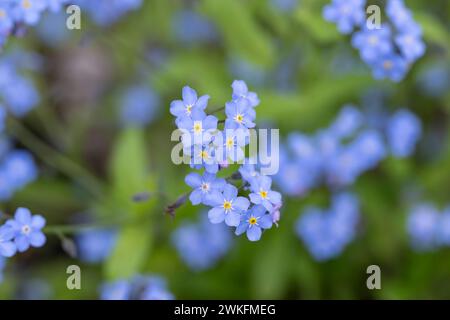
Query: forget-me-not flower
[(254, 221), (227, 206)]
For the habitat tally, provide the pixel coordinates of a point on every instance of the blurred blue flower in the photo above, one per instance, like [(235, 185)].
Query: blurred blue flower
[(348, 121), (434, 81), (391, 66), (189, 27), (411, 46), (284, 5), (20, 168), (107, 12), (27, 229), (52, 29), (327, 233), (6, 19), (200, 245), (7, 246), (227, 206), (403, 131), (253, 222), (346, 14), (19, 95), (118, 290), (139, 106), (422, 225), (136, 288), (203, 186), (28, 11), (95, 245)]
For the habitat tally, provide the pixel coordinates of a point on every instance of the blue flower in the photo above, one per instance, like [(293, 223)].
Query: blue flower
[(202, 157), (370, 146), (27, 229), (230, 145), (139, 106), (391, 66), (106, 12), (7, 246), (189, 104), (400, 16), (201, 245), (349, 120), (197, 129), (403, 131), (190, 28), (56, 5), (20, 96), (240, 90), (227, 206), (20, 168), (373, 43), (28, 11), (203, 186), (253, 222), (346, 14), (155, 288), (327, 233), (411, 46), (240, 115), (94, 246), (118, 290), (422, 224), (262, 193), (248, 171), (443, 228), (6, 20)]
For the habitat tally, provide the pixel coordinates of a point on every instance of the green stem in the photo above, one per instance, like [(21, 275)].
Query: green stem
[(54, 158)]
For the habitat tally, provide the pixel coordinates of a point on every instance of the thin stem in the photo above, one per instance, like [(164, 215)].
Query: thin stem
[(54, 158)]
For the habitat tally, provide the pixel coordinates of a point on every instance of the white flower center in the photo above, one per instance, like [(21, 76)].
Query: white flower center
[(26, 229)]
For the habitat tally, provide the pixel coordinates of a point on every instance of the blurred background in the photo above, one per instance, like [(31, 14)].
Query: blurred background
[(365, 165)]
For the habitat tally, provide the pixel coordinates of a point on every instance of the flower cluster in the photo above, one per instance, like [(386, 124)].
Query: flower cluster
[(390, 49), (339, 154), (16, 13), (327, 233), (212, 149), (21, 232), (428, 228), (137, 288), (201, 245), (106, 12)]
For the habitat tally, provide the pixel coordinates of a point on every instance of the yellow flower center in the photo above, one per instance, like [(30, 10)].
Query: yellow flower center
[(230, 142), (373, 40), (239, 118), (252, 221), (263, 194), (387, 64), (26, 4), (188, 109), (198, 127), (227, 205), (204, 155)]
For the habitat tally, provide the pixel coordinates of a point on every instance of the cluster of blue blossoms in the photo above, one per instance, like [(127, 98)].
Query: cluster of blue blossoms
[(94, 246), (212, 149), (106, 12), (428, 228), (389, 49), (21, 232), (137, 288), (201, 244), (327, 233), (339, 154), (14, 14), (139, 106)]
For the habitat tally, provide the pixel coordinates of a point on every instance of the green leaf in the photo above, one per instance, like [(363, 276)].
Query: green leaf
[(130, 254), (242, 34)]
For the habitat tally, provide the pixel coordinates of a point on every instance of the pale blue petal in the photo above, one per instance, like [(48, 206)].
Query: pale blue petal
[(193, 180), (232, 219), (37, 239), (216, 215), (241, 228), (255, 198), (37, 222), (241, 204), (7, 249), (230, 192), (265, 221), (189, 96), (22, 243), (196, 197), (254, 233), (23, 215), (177, 108)]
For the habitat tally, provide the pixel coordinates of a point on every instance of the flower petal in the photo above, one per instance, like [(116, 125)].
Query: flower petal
[(196, 197), (232, 219), (230, 192), (37, 222), (23, 215), (37, 239), (202, 102), (255, 198), (22, 243), (189, 95), (177, 108), (193, 180), (254, 233), (7, 249), (241, 228), (241, 204), (265, 221), (216, 215)]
